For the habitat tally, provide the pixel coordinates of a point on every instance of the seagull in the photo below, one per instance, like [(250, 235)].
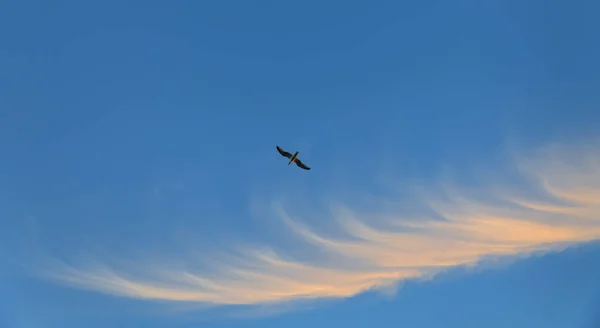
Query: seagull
[(293, 158)]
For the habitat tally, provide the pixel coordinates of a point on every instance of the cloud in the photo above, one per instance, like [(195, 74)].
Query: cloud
[(376, 250)]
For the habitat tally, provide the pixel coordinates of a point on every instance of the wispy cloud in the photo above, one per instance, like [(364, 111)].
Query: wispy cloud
[(377, 250)]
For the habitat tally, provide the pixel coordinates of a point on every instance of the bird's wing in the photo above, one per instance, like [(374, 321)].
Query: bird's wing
[(283, 152), (301, 165)]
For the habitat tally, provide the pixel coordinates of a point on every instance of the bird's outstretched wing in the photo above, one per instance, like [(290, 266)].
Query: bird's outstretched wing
[(283, 152), (301, 165)]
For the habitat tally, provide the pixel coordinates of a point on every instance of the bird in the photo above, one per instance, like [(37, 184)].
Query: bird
[(293, 158)]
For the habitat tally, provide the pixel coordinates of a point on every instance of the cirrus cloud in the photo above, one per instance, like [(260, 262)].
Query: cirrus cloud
[(377, 250)]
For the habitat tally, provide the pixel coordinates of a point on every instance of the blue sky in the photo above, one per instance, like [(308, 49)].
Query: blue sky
[(453, 146)]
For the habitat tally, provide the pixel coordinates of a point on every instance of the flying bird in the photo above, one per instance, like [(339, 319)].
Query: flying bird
[(293, 158)]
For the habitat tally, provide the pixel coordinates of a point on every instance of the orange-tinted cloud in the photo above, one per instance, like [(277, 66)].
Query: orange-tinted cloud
[(375, 250)]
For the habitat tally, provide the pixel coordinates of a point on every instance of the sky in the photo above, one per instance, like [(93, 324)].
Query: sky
[(454, 147)]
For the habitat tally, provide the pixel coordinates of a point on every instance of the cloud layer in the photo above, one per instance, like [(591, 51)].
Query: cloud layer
[(378, 250)]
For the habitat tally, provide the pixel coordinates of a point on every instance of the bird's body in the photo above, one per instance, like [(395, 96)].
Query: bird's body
[(293, 158)]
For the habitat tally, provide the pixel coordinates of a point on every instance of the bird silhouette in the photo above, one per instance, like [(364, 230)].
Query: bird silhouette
[(293, 158)]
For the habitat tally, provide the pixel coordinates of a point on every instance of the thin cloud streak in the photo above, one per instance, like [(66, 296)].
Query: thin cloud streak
[(379, 250)]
